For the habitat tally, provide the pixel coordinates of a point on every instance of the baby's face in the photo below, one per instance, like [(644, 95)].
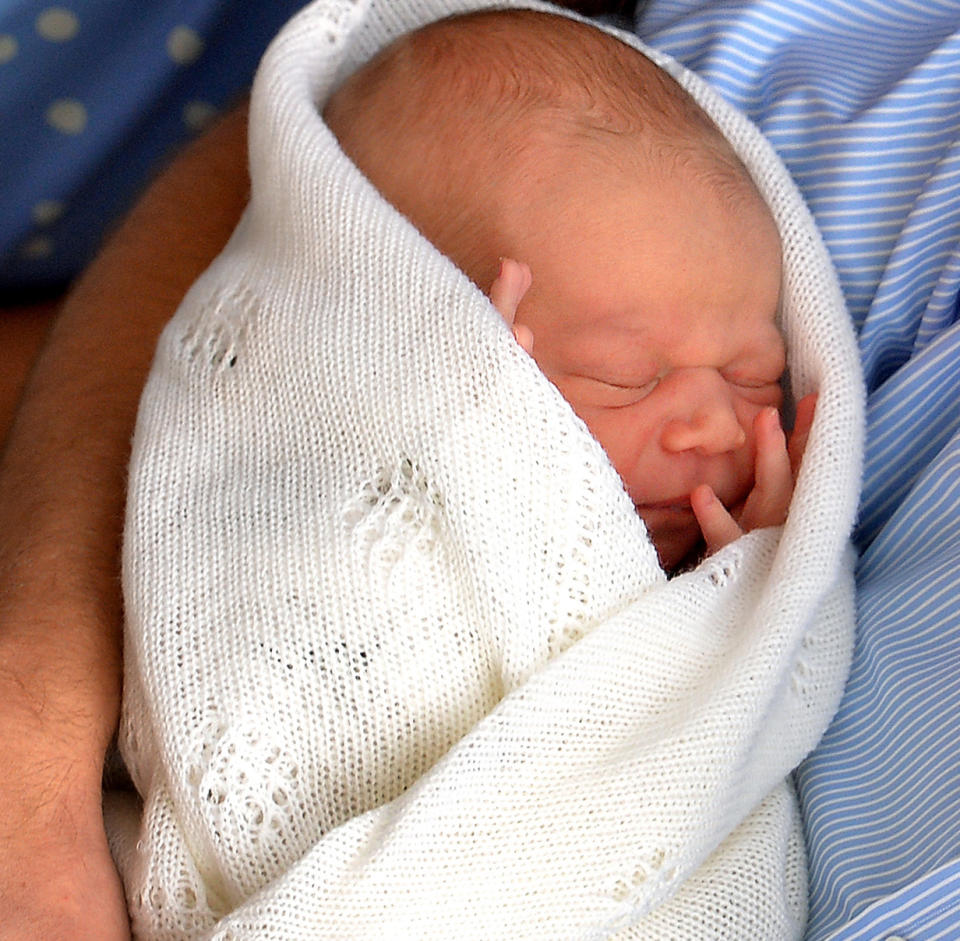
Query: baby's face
[(653, 311)]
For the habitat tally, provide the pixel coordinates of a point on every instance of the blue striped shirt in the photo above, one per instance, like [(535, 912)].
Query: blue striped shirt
[(861, 98)]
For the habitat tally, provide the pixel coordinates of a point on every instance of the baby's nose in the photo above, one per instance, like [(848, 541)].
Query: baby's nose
[(706, 421)]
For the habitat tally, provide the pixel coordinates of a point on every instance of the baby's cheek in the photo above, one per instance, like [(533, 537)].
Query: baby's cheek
[(617, 436)]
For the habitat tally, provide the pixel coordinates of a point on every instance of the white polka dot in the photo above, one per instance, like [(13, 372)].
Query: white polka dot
[(57, 24), (198, 114), (47, 211), (8, 47), (37, 248), (67, 115), (184, 45)]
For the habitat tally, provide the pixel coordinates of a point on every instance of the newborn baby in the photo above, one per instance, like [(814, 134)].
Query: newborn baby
[(401, 657), (521, 143)]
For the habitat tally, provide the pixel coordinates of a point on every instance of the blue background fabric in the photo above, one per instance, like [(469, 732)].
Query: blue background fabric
[(862, 101), (94, 95)]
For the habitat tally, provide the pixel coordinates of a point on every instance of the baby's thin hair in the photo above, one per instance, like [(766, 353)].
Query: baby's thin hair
[(492, 86), (504, 66), (535, 62)]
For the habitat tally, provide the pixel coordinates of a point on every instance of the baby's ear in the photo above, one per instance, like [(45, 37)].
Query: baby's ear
[(506, 292)]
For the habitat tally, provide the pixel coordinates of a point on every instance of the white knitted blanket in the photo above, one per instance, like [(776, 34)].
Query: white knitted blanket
[(400, 661)]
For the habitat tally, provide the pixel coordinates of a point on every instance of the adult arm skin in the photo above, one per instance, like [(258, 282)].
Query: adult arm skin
[(62, 478)]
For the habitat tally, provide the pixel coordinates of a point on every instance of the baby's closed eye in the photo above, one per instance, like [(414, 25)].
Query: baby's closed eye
[(604, 393), (757, 374), (757, 389)]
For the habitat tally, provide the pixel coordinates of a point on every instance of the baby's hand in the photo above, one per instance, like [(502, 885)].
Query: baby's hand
[(507, 291), (777, 464)]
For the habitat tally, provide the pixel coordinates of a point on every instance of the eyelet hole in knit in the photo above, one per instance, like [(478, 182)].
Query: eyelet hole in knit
[(721, 573), (801, 672), (186, 898), (631, 887), (396, 511), (248, 788), (216, 335), (340, 18), (574, 573)]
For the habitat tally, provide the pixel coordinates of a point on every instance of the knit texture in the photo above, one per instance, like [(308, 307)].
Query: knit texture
[(400, 660)]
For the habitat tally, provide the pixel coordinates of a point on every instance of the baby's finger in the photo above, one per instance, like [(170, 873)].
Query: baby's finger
[(769, 500), (802, 424), (718, 527), (509, 286)]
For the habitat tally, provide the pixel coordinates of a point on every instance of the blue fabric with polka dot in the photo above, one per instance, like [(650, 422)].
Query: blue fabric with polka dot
[(94, 94)]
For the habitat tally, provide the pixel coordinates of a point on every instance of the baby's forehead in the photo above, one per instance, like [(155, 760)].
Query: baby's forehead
[(639, 273)]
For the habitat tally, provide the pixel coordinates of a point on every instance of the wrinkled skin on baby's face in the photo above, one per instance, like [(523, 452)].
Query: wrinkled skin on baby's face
[(652, 309)]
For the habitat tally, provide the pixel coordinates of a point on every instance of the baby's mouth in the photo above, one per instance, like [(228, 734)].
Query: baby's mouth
[(670, 514), (679, 504)]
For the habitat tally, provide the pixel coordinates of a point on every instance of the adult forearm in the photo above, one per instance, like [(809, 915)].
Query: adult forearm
[(62, 473), (62, 477)]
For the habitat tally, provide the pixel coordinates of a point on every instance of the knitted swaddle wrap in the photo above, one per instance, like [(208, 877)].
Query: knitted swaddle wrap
[(400, 661)]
